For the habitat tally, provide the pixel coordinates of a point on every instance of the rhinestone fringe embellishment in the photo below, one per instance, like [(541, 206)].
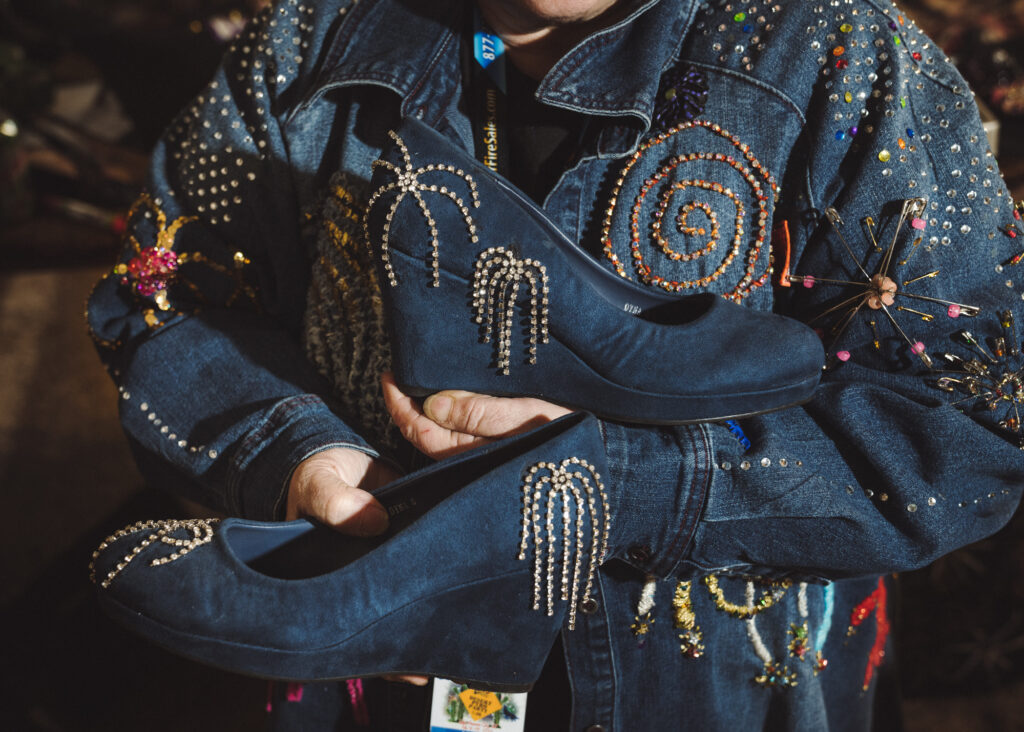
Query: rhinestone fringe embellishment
[(497, 277), (572, 483), (200, 532), (407, 181)]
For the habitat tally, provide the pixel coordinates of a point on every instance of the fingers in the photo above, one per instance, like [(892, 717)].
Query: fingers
[(426, 435), (452, 421), (488, 416), (408, 679), (322, 488)]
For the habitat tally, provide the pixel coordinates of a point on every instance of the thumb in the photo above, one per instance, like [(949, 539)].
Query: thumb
[(487, 416), (321, 494)]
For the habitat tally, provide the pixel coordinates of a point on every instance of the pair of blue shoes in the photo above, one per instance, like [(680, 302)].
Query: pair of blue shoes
[(490, 554)]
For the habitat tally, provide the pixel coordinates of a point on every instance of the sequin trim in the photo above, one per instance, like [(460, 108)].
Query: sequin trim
[(691, 640)]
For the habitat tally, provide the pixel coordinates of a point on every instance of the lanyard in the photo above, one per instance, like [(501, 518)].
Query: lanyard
[(488, 97)]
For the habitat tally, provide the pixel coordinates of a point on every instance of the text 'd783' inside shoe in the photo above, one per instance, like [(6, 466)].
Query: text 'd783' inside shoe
[(486, 559), (484, 293)]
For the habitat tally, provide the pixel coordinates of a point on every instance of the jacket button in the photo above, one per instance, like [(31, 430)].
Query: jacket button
[(640, 553), (589, 606)]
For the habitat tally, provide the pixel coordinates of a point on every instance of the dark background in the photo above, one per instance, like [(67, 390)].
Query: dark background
[(86, 86)]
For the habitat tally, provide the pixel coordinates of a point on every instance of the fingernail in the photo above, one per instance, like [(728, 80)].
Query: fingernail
[(438, 407)]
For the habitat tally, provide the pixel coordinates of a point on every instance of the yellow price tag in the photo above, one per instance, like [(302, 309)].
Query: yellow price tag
[(480, 704)]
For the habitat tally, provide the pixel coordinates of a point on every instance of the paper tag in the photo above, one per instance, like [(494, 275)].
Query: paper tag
[(458, 707), (480, 704)]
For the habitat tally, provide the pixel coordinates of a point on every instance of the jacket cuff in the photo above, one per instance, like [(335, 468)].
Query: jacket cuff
[(263, 460), (662, 475)]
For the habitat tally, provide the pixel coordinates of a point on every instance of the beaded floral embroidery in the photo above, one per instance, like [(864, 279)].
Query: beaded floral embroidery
[(695, 219), (569, 487), (408, 182), (153, 269), (197, 533), (497, 277), (682, 94)]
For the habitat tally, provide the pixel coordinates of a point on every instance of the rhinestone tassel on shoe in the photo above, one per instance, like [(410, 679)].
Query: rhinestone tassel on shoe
[(573, 482), (201, 531), (497, 277), (407, 181)]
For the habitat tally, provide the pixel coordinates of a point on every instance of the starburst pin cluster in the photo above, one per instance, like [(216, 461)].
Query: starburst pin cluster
[(878, 291), (990, 378)]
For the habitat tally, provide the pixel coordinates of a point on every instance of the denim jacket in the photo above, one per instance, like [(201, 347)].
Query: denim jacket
[(244, 329)]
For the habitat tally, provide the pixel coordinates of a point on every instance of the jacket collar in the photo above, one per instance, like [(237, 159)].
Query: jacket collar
[(412, 48)]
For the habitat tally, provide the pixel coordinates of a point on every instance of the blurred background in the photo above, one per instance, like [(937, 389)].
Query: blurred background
[(85, 90)]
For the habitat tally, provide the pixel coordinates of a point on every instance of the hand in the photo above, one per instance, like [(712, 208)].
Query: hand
[(333, 487), (450, 422)]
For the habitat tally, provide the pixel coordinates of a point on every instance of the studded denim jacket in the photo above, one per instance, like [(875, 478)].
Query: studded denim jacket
[(820, 159)]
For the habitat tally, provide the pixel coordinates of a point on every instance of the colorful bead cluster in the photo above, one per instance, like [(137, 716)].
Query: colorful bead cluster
[(153, 268), (149, 271), (681, 96), (762, 186)]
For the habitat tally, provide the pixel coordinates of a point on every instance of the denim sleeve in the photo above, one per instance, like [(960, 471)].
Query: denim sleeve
[(883, 470), (199, 321)]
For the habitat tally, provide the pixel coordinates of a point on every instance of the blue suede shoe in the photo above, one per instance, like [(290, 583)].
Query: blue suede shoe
[(485, 294), (487, 557)]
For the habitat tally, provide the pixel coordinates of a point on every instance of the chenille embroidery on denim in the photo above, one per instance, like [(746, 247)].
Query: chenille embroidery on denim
[(497, 277), (644, 618), (774, 673), (197, 533), (695, 218), (408, 181), (344, 332), (873, 603), (570, 487)]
